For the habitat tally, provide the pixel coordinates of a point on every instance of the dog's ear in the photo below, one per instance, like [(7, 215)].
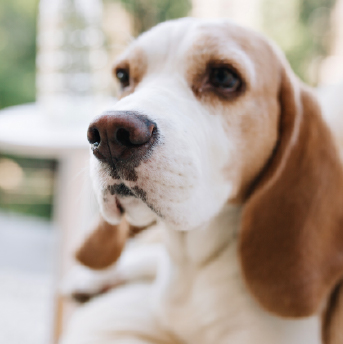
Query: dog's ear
[(104, 245), (291, 239)]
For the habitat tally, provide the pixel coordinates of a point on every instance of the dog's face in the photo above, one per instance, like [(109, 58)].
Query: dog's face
[(209, 93), (210, 114)]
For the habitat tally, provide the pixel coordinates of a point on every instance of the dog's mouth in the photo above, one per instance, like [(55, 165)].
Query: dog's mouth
[(122, 191), (120, 206)]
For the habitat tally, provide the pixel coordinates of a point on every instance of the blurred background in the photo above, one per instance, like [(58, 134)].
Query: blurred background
[(55, 71)]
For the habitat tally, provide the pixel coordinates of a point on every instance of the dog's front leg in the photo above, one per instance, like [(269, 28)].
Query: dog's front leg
[(138, 262)]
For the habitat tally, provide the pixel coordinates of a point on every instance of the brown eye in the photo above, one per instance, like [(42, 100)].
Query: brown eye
[(224, 78), (123, 76)]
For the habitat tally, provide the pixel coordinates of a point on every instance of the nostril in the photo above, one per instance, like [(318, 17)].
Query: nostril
[(93, 136), (154, 130), (123, 137), (134, 136)]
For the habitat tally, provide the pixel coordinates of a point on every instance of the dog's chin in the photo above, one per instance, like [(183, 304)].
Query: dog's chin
[(159, 194), (137, 213), (141, 207)]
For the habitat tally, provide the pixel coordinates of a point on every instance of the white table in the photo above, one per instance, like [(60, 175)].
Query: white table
[(26, 131)]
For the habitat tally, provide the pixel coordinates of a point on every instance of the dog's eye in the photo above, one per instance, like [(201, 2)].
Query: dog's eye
[(123, 76), (224, 78)]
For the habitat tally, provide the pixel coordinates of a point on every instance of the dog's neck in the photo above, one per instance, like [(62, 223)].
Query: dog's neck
[(200, 283), (200, 245)]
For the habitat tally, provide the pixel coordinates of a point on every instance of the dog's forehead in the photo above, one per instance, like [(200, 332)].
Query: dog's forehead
[(190, 42), (167, 38)]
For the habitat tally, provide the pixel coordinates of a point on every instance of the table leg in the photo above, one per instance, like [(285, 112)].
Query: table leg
[(75, 209)]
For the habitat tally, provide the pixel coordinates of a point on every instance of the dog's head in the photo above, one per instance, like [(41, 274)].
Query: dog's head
[(210, 114), (196, 122)]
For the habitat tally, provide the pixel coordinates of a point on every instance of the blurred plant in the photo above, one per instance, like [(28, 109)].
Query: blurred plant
[(27, 185), (147, 13), (302, 29), (17, 51)]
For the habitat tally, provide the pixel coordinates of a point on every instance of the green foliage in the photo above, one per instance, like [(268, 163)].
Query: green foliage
[(33, 195), (302, 29), (147, 13), (17, 51)]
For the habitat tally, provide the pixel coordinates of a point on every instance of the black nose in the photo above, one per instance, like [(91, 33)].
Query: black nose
[(120, 136)]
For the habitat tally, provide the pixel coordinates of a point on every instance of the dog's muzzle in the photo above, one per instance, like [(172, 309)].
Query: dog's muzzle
[(122, 139)]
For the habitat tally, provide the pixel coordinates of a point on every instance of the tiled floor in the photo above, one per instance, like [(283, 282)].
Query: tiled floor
[(26, 279)]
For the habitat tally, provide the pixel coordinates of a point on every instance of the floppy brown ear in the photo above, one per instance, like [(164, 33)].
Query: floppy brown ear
[(105, 244), (291, 240)]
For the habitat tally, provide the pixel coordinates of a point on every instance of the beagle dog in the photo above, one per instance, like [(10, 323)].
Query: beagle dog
[(217, 143)]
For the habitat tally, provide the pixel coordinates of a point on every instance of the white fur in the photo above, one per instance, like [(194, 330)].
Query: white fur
[(199, 296), (136, 263)]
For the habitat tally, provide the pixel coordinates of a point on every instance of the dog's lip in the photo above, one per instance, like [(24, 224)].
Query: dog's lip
[(120, 190), (119, 206)]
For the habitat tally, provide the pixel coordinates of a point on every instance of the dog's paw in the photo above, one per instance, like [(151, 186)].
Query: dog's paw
[(81, 283)]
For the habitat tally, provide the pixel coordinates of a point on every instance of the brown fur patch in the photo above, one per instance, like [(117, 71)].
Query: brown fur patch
[(253, 111), (218, 46), (291, 240), (104, 245), (136, 63)]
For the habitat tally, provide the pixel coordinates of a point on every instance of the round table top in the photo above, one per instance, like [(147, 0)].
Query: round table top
[(26, 130)]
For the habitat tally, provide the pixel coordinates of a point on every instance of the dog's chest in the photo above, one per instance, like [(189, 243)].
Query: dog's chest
[(210, 303)]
